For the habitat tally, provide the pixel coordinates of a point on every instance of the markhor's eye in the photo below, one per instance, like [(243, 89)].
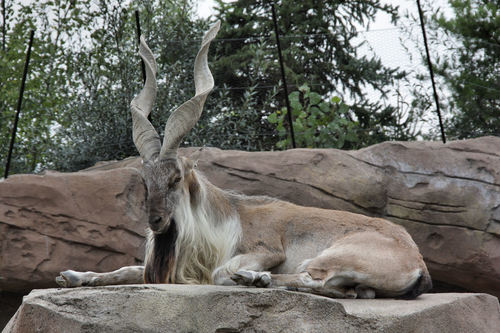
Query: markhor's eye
[(176, 180)]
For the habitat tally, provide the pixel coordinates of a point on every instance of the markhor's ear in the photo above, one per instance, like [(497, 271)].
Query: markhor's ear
[(187, 165), (193, 186)]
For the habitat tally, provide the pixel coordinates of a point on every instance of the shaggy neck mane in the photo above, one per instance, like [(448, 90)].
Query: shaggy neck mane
[(201, 237), (160, 262)]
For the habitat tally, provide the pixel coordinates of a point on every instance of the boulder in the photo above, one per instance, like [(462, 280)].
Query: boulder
[(183, 308), (447, 197), (85, 220)]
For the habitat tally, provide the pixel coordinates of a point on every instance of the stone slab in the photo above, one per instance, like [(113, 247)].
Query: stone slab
[(184, 308)]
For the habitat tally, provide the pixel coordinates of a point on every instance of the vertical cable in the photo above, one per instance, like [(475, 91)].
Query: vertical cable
[(429, 64), (285, 87), (19, 103)]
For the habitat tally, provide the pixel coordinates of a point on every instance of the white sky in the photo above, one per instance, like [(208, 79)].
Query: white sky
[(382, 35)]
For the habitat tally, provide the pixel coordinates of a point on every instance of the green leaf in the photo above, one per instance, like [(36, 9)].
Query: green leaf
[(333, 127), (340, 141), (294, 99), (296, 107), (304, 89), (343, 122), (282, 144), (325, 107), (294, 96), (272, 118), (315, 113), (344, 108), (335, 99), (298, 126), (314, 98), (351, 137)]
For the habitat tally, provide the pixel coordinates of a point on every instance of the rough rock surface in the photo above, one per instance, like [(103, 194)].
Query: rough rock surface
[(86, 220), (447, 196), (181, 308)]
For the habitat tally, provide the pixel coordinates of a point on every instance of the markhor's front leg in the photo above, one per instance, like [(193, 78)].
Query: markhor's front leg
[(124, 275), (224, 275)]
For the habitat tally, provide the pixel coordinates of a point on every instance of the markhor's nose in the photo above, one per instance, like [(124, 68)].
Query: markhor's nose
[(154, 222)]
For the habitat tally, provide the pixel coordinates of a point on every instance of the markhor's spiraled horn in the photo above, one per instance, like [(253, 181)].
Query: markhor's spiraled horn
[(144, 134), (183, 119)]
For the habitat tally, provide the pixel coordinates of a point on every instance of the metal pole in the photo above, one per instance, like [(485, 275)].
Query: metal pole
[(283, 77), (19, 103), (4, 24), (138, 29), (429, 64)]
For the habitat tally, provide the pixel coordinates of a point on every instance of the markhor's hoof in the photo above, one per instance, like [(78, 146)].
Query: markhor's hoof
[(68, 279), (251, 278)]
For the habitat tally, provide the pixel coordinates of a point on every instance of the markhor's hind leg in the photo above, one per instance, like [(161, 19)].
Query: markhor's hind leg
[(361, 265), (302, 281), (124, 275)]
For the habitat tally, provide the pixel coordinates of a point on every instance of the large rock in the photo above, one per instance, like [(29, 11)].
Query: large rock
[(447, 196), (86, 220), (181, 308)]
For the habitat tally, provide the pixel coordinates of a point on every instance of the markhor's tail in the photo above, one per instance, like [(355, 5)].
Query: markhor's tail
[(421, 285)]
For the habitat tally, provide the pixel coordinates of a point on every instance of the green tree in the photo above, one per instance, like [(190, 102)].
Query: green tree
[(318, 39), (108, 75), (84, 73), (318, 123), (471, 69), (45, 95), (238, 120)]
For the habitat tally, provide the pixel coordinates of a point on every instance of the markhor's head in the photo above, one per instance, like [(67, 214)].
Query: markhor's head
[(167, 181), (167, 176)]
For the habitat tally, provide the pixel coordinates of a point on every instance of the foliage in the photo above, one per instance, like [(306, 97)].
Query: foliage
[(465, 53), (90, 72), (84, 73), (472, 70), (237, 121), (99, 125), (318, 123), (45, 95), (319, 48)]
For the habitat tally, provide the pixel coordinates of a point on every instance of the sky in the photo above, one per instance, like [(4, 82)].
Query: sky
[(382, 36)]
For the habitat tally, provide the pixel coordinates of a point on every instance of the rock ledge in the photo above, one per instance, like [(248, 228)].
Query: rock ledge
[(181, 308)]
